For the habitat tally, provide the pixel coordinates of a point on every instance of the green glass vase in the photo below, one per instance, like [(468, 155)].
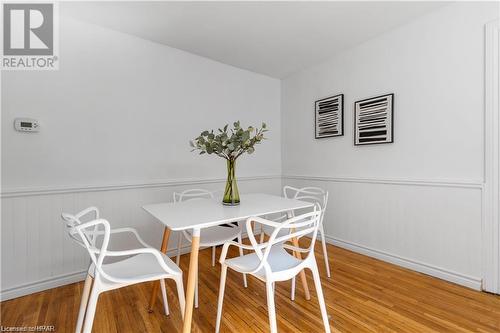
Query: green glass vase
[(231, 194)]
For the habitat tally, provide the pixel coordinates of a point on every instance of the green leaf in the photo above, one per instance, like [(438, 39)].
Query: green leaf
[(229, 144)]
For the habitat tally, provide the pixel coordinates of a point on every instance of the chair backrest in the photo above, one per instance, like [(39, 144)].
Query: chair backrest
[(309, 194), (73, 220), (192, 194), (86, 233), (296, 227), (93, 228)]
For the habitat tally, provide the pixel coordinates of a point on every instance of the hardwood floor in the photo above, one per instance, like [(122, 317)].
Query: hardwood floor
[(363, 295)]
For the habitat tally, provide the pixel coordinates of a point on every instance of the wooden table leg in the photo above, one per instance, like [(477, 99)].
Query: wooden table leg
[(156, 285), (302, 273), (193, 267)]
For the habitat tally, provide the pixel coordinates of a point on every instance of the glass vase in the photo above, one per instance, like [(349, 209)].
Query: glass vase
[(231, 194)]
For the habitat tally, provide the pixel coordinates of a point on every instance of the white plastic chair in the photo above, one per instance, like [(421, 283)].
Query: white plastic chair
[(140, 265), (310, 194), (270, 261), (209, 237)]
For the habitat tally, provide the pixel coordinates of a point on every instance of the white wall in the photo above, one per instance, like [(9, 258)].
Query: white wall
[(116, 120), (122, 109), (416, 202)]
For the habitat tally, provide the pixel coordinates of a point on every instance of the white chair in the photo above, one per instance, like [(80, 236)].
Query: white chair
[(140, 265), (209, 237), (270, 262), (310, 194)]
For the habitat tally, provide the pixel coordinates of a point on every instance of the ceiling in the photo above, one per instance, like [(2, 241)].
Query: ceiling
[(272, 38)]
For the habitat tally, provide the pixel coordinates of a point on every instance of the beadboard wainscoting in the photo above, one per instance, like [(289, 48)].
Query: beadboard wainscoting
[(36, 251), (429, 226), (388, 219)]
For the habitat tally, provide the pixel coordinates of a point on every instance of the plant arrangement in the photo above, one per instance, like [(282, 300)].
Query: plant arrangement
[(230, 143)]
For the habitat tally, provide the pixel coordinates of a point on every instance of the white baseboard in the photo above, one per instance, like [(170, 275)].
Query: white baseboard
[(41, 285), (61, 280), (464, 280), (441, 273)]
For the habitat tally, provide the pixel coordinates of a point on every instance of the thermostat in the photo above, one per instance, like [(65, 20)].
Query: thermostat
[(26, 125)]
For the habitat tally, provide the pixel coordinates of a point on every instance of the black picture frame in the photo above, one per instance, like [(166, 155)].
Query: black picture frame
[(337, 100), (364, 138)]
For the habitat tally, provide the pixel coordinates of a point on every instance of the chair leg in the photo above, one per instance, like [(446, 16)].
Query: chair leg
[(245, 283), (325, 252), (180, 294), (270, 307), (91, 307), (213, 256), (164, 295), (261, 240), (179, 246), (196, 290), (321, 298), (83, 303), (292, 293), (221, 297)]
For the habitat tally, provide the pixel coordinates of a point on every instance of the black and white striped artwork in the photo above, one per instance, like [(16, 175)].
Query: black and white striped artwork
[(373, 120), (329, 116)]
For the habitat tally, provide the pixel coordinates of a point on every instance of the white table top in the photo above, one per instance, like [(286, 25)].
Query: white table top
[(203, 213)]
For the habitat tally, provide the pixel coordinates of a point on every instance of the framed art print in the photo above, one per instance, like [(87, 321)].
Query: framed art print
[(329, 117), (373, 120)]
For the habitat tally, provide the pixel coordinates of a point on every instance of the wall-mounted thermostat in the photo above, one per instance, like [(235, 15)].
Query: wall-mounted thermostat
[(26, 125)]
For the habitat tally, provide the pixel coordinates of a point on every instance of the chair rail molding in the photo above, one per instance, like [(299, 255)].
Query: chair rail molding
[(491, 223), (33, 191), (475, 184)]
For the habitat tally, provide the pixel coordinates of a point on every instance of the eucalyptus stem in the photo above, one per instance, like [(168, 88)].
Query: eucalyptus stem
[(230, 144)]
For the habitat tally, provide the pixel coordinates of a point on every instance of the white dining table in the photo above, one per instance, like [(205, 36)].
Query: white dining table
[(195, 215)]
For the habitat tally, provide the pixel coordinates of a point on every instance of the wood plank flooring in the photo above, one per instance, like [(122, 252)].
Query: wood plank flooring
[(363, 295)]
